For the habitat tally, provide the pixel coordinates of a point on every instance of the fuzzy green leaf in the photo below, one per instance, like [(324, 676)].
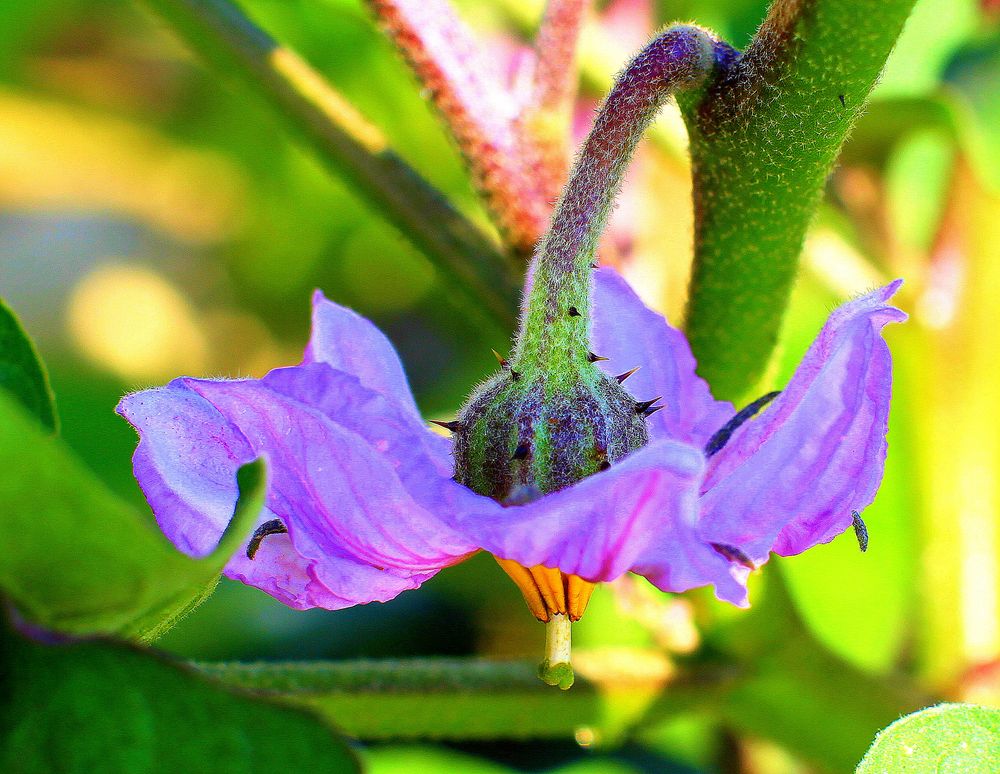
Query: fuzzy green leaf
[(946, 739), (100, 706), (77, 559), (22, 371)]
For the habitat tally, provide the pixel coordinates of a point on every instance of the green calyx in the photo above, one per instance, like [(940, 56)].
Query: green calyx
[(525, 434), (551, 417)]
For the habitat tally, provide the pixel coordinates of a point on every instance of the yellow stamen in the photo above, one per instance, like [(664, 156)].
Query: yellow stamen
[(578, 592), (550, 584), (529, 590), (548, 591)]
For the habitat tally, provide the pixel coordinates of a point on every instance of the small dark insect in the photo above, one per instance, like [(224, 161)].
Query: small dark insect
[(271, 527), (860, 531), (717, 441), (843, 102), (734, 554)]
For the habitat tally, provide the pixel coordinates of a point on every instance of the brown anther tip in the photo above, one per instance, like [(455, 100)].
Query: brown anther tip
[(622, 377), (270, 527), (500, 358), (643, 405), (574, 312), (592, 358), (521, 452), (453, 426)]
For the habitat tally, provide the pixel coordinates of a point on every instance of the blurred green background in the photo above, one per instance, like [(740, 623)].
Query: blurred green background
[(156, 221)]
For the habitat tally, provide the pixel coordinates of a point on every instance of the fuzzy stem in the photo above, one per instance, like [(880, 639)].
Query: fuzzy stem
[(764, 136), (550, 336)]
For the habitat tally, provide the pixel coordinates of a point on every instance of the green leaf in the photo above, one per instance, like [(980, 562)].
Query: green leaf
[(946, 739), (78, 560), (109, 708), (22, 371)]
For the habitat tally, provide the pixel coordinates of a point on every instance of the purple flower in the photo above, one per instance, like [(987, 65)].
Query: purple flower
[(361, 503)]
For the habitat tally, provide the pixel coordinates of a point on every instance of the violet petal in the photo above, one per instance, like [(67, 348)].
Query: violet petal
[(601, 526), (789, 479), (348, 342), (630, 334), (356, 495)]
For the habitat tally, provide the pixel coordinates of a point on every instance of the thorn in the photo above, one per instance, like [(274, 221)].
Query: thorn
[(594, 266), (574, 312), (860, 531), (592, 358), (521, 452), (622, 377), (643, 405), (651, 410), (455, 426), (500, 359), (515, 375), (733, 554), (843, 103), (604, 465), (270, 527)]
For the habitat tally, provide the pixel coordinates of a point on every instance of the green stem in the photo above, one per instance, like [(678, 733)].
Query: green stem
[(350, 147), (764, 136), (466, 698), (558, 291)]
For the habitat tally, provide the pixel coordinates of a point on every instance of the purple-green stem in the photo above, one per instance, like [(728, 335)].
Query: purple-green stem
[(551, 336)]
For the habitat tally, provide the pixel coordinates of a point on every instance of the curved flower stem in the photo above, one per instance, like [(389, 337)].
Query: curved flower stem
[(558, 290), (764, 135), (350, 147)]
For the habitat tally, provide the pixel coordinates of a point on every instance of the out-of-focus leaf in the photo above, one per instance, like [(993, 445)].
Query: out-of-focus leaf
[(917, 186), (77, 560), (780, 684), (887, 121), (21, 370), (975, 75), (954, 381), (933, 32), (108, 708), (411, 759), (946, 739)]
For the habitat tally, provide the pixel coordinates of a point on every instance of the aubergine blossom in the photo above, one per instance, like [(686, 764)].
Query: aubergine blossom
[(364, 488), (565, 475)]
